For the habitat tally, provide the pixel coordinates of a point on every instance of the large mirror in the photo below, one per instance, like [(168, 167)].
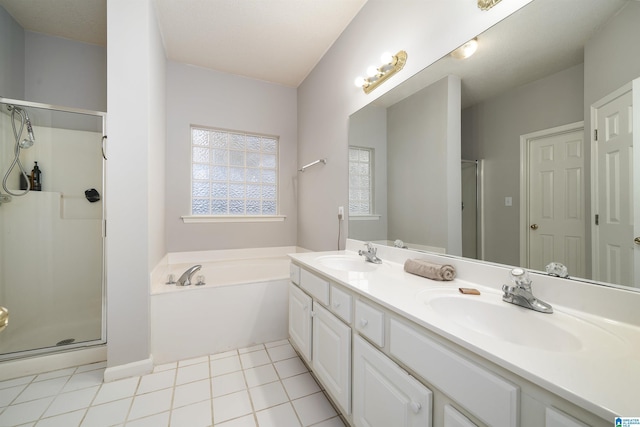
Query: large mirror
[(493, 157)]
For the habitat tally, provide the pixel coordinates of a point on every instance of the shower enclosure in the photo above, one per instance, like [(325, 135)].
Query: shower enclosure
[(472, 236), (51, 228)]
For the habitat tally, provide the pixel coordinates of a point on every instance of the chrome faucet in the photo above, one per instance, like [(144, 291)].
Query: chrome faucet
[(520, 293), (185, 279), (370, 254)]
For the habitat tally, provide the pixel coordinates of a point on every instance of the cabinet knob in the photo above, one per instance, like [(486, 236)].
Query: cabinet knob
[(364, 322), (312, 313), (336, 304), (415, 407)]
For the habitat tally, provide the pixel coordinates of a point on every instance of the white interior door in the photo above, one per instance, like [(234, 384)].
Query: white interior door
[(613, 157), (556, 208)]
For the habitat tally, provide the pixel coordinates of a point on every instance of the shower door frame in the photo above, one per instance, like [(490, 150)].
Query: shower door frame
[(103, 327)]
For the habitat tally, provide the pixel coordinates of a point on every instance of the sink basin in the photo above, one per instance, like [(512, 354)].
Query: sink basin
[(488, 315), (346, 263)]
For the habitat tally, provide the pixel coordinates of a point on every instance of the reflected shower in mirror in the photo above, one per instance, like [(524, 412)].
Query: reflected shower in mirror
[(525, 106)]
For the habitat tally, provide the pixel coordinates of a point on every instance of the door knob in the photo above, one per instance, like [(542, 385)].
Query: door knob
[(636, 240), (534, 226)]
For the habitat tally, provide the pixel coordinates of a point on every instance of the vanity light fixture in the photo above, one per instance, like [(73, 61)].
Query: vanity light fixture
[(466, 50), (487, 4), (391, 64)]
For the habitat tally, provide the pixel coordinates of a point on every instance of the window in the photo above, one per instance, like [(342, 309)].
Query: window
[(360, 181), (233, 173)]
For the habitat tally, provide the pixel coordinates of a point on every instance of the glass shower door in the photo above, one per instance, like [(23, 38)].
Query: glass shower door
[(51, 228)]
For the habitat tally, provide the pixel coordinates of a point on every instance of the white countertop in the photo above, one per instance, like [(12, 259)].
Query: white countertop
[(601, 375)]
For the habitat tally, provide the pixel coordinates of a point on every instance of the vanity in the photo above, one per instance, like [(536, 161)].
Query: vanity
[(394, 349)]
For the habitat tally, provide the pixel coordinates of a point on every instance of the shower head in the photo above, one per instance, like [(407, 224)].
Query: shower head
[(26, 143)]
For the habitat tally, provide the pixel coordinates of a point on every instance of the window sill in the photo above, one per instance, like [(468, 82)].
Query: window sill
[(364, 217), (191, 219)]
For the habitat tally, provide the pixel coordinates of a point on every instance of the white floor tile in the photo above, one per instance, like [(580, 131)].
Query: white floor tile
[(70, 419), (55, 374), (313, 409), (116, 390), (42, 389), (86, 379), (231, 406), (91, 367), (16, 381), (7, 395), (72, 401), (156, 381), (276, 343), (223, 355), (108, 414), (290, 367), (300, 385), (157, 420), (192, 393), (196, 415), (225, 366), (260, 375), (191, 373), (194, 361), (151, 403), (251, 349), (228, 383), (165, 367), (278, 416), (333, 422), (281, 352), (24, 412), (268, 395), (253, 359), (246, 421)]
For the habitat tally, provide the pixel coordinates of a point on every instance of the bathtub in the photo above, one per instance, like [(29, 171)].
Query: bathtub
[(244, 302)]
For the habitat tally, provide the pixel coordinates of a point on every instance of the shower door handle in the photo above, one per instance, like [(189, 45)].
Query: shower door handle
[(4, 318)]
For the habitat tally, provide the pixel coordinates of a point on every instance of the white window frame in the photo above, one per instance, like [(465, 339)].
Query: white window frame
[(207, 179)]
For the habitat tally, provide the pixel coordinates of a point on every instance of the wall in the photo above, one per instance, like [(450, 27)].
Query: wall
[(214, 99), (427, 31), (419, 157), (368, 128), (491, 131), (11, 57), (65, 72), (135, 123)]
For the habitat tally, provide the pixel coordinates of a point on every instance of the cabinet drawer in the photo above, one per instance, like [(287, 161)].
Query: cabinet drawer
[(369, 322), (294, 273), (317, 287), (483, 393), (341, 304)]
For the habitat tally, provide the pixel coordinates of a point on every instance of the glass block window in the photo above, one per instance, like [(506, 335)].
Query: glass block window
[(233, 173), (360, 181)]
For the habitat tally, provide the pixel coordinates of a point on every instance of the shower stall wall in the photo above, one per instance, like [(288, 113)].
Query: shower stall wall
[(52, 241)]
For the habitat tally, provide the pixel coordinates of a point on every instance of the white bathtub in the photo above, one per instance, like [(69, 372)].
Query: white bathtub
[(244, 302)]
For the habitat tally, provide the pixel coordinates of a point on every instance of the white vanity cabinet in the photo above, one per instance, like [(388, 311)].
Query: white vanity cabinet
[(385, 395), (332, 355), (300, 305)]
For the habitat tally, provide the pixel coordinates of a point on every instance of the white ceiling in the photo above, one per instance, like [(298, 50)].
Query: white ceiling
[(251, 38)]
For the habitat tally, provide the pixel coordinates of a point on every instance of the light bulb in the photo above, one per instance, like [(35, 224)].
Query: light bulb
[(466, 50), (387, 58), (360, 81), (372, 71)]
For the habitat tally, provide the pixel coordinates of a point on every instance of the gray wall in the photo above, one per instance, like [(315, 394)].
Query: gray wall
[(11, 57), (368, 128), (214, 99), (491, 131), (420, 184)]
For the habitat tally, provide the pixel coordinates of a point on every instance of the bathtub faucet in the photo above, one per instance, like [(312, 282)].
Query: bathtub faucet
[(185, 279)]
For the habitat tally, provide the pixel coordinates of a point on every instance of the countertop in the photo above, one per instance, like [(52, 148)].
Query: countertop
[(601, 374)]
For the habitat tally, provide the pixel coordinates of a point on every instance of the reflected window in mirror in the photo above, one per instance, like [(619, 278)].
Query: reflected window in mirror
[(360, 181)]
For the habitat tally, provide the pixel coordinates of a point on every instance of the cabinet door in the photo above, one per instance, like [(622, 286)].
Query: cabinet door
[(332, 355), (453, 418), (300, 320), (556, 418), (385, 395)]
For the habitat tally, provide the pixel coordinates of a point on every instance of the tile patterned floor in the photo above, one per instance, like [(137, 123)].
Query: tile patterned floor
[(261, 386)]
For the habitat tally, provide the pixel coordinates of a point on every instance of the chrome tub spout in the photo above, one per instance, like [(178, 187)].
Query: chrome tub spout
[(185, 279)]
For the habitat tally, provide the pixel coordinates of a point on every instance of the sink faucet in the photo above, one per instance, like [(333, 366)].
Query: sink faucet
[(370, 254), (185, 279), (520, 293)]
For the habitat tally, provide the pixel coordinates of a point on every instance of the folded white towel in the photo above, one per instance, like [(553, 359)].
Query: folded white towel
[(420, 267)]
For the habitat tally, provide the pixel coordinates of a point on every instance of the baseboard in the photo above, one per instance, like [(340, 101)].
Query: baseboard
[(141, 367)]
